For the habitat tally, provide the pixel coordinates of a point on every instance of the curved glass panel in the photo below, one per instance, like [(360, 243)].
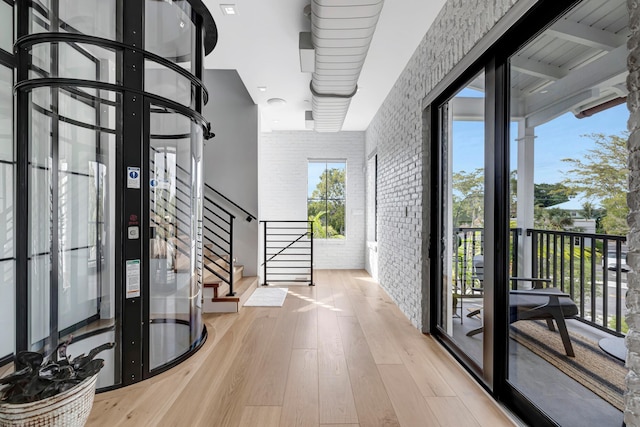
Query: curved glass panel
[(6, 23), (72, 145), (91, 17), (7, 217), (74, 61), (169, 31), (165, 82), (175, 229)]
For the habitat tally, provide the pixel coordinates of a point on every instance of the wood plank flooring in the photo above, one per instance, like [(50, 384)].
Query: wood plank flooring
[(337, 354)]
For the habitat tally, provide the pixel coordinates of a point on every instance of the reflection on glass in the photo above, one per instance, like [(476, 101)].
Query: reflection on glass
[(169, 31), (175, 180), (463, 212), (91, 17), (74, 61), (6, 23), (40, 218), (165, 82), (569, 186), (7, 217), (72, 185)]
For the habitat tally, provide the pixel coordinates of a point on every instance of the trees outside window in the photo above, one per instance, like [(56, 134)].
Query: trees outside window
[(326, 198)]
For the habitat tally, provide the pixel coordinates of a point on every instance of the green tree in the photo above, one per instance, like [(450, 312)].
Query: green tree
[(468, 198), (546, 195), (552, 218), (326, 206), (603, 174)]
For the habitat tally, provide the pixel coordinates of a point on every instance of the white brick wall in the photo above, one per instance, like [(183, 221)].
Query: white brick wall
[(396, 132), (283, 172)]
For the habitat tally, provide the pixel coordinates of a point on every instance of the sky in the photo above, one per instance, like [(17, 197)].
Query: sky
[(315, 171), (558, 139)]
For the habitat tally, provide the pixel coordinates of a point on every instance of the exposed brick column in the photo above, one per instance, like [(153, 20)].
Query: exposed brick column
[(632, 397)]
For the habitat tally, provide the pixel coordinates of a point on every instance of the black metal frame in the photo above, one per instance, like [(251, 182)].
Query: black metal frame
[(494, 376), (131, 205), (287, 241), (326, 199)]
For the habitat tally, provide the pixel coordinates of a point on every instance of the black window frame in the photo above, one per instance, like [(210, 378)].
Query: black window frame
[(495, 64), (326, 200)]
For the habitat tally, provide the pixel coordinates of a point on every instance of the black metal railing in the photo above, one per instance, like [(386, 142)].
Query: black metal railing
[(217, 254), (287, 251), (469, 242), (590, 267), (249, 217)]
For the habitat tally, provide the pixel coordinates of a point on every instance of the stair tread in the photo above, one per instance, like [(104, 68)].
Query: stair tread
[(240, 288)]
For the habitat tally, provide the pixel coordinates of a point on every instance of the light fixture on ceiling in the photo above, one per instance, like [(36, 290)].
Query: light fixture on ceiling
[(262, 88), (276, 102), (229, 9), (307, 53)]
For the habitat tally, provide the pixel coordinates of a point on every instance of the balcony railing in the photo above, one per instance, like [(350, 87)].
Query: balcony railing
[(590, 267)]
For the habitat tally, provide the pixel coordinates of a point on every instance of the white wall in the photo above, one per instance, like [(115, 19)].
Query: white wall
[(284, 157), (231, 158)]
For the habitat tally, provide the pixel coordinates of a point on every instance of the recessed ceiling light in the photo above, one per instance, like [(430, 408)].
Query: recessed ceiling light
[(262, 88), (276, 121), (229, 9), (276, 101)]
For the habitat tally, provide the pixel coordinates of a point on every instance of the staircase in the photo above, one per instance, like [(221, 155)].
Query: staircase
[(215, 292), (225, 288)]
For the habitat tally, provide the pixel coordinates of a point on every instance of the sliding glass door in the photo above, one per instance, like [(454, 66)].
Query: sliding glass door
[(462, 213), (529, 146)]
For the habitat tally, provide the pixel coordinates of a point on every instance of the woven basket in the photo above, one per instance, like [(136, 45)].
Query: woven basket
[(68, 409)]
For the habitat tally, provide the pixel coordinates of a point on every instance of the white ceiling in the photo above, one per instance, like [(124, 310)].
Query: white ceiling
[(261, 43)]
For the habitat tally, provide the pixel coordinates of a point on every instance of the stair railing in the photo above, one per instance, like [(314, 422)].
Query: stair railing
[(218, 259), (218, 222), (250, 216), (287, 252)]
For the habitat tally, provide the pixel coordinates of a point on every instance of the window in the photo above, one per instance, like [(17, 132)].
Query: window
[(326, 198)]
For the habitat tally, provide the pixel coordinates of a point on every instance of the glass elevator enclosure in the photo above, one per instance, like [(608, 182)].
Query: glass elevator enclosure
[(108, 179)]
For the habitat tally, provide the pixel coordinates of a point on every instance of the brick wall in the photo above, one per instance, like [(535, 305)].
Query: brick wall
[(396, 133), (283, 173)]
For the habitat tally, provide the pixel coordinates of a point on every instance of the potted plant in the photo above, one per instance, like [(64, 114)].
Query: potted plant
[(56, 391)]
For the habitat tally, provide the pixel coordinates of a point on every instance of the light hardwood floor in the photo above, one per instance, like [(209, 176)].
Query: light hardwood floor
[(339, 354)]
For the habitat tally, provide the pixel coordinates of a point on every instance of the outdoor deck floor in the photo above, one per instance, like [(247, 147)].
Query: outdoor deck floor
[(564, 399)]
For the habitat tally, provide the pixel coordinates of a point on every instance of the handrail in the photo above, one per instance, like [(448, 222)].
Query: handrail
[(287, 268), (590, 267), (222, 246), (250, 216)]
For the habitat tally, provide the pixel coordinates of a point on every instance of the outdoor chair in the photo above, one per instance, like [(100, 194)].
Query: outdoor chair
[(547, 304)]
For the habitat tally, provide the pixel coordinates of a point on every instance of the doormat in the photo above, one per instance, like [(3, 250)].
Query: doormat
[(267, 297), (592, 367)]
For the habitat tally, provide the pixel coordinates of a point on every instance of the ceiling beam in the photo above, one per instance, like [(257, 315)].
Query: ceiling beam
[(604, 73), (537, 69), (467, 109), (586, 35)]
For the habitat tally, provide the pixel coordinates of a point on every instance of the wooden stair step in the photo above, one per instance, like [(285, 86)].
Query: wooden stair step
[(231, 304)]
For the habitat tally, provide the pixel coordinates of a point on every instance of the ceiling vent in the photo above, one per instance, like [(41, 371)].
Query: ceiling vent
[(341, 32)]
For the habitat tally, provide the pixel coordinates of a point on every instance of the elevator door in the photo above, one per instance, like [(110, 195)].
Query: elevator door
[(175, 322)]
